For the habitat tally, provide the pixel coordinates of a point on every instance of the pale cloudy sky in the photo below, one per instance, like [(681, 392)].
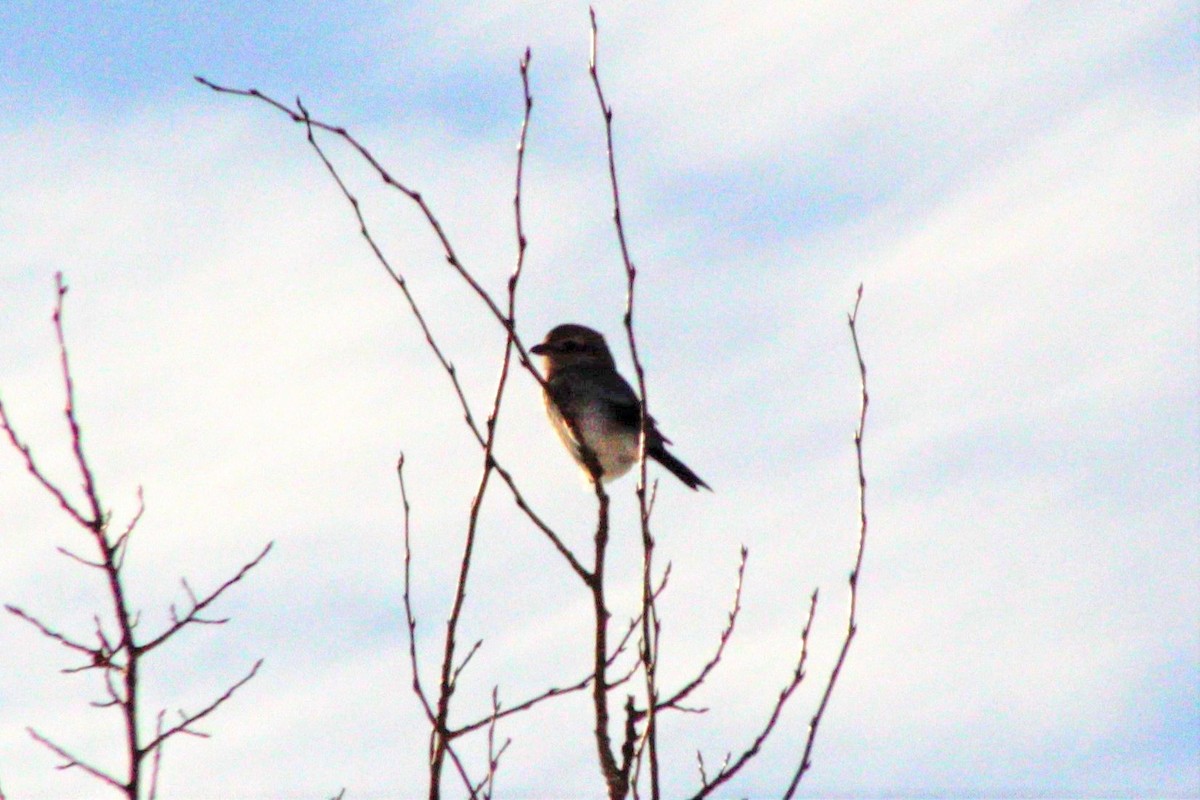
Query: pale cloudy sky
[(1016, 186)]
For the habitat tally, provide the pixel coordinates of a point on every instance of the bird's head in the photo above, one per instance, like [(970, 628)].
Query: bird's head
[(573, 345)]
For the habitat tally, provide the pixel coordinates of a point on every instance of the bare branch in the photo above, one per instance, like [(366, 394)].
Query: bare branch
[(466, 660), (117, 655), (678, 697), (579, 685), (439, 736), (584, 574), (91, 652), (80, 559), (36, 471), (114, 694), (700, 766), (199, 604), (556, 691), (449, 674), (616, 778), (851, 620), (89, 483), (301, 116), (72, 761), (96, 522), (649, 614), (409, 618), (487, 784), (728, 770), (636, 744), (187, 720), (120, 546), (382, 258)]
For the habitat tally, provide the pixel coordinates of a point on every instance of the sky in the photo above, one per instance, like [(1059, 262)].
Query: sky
[(1014, 184)]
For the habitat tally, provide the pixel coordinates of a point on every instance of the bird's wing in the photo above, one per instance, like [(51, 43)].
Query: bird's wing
[(624, 405), (617, 396)]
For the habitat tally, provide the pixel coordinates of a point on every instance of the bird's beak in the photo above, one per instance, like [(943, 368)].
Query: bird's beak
[(539, 349)]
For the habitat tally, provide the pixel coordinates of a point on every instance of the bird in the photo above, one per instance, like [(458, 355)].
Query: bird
[(585, 396)]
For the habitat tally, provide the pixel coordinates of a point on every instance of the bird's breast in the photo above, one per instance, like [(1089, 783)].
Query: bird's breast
[(615, 445)]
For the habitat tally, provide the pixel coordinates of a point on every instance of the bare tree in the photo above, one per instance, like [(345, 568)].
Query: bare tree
[(117, 648), (626, 733)]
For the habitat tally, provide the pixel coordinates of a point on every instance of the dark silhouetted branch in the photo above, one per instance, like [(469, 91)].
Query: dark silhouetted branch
[(116, 654), (851, 618), (732, 767), (674, 700)]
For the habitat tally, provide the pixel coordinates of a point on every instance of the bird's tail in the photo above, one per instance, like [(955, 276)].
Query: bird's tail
[(676, 467)]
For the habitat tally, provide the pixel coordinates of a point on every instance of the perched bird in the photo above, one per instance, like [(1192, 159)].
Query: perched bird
[(583, 387)]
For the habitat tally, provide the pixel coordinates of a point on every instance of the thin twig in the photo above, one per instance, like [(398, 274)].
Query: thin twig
[(36, 471), (62, 639), (411, 626), (650, 623), (851, 619), (731, 768), (120, 546), (726, 633), (187, 720), (78, 559), (487, 785), (466, 660), (301, 117), (72, 761), (89, 482), (409, 618), (450, 675), (199, 604)]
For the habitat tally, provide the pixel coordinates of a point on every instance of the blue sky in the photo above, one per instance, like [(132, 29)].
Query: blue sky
[(1014, 184)]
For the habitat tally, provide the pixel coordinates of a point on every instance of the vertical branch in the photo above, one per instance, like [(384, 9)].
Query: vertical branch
[(89, 482), (97, 523), (650, 625), (441, 731), (615, 777), (488, 784), (410, 619), (851, 621)]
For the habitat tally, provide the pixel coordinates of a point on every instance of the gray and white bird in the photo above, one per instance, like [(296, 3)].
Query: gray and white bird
[(584, 387)]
